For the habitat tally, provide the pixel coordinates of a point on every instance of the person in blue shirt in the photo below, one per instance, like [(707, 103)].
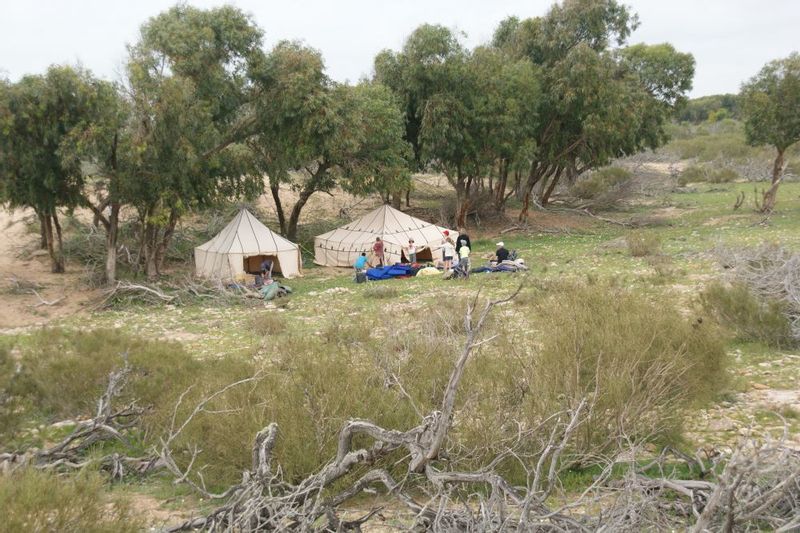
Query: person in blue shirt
[(361, 262)]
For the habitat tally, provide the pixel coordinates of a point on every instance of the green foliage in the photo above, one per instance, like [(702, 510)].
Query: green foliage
[(63, 373), (641, 362), (711, 108), (600, 183), (641, 243), (317, 135), (32, 500), (771, 104), (702, 173), (749, 317)]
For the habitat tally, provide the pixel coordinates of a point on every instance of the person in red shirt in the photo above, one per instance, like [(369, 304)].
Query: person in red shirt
[(377, 250)]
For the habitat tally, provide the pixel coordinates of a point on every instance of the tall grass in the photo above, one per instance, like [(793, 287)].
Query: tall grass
[(32, 500), (749, 317)]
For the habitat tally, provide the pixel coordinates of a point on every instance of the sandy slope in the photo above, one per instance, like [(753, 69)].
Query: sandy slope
[(20, 259)]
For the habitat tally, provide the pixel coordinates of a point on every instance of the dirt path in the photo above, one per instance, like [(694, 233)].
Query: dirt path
[(22, 267)]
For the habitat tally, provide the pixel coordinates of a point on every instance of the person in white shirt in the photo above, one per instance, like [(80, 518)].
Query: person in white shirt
[(449, 251)]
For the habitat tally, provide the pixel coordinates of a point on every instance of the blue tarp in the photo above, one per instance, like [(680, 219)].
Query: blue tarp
[(391, 271)]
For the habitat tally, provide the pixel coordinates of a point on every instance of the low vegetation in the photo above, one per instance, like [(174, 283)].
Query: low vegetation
[(600, 183), (750, 317), (641, 243), (32, 500)]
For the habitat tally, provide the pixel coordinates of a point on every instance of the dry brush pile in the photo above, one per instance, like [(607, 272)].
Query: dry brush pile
[(479, 439)]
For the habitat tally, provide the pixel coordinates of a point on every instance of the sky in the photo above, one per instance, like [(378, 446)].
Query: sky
[(730, 39)]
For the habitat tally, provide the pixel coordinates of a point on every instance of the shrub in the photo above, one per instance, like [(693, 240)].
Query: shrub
[(32, 500), (641, 363), (600, 183), (749, 317), (63, 373), (723, 175), (268, 324), (691, 174), (641, 244)]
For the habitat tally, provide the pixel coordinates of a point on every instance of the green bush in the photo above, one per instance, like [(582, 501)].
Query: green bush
[(63, 373), (37, 501), (600, 183), (748, 316), (641, 362), (722, 175), (692, 174), (699, 173), (641, 244)]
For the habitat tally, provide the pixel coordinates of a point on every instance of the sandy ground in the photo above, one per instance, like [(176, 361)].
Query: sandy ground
[(23, 262)]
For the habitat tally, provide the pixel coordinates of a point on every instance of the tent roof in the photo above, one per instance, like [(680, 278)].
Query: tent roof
[(386, 221), (245, 234)]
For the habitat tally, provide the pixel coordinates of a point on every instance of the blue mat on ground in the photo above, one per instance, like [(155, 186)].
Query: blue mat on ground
[(391, 271)]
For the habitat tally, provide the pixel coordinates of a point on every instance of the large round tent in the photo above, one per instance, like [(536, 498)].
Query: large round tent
[(342, 246), (241, 247)]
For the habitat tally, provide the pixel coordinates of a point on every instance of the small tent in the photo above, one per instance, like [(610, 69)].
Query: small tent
[(342, 246), (241, 247)]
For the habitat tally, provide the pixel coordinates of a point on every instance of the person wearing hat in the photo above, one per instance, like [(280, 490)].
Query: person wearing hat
[(501, 253)]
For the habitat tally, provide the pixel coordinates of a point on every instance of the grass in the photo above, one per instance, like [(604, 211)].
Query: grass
[(397, 327)]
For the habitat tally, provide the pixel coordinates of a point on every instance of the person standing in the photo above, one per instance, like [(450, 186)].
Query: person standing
[(377, 250), (266, 268), (463, 256), (449, 251), (462, 237), (411, 251)]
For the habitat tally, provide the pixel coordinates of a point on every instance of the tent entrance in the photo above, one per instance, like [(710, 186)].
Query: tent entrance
[(253, 263), (422, 256)]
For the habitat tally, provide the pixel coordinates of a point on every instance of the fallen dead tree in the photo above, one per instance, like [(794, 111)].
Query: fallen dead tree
[(181, 292), (110, 423), (770, 271)]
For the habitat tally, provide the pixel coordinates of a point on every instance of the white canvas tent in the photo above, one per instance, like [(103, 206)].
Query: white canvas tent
[(241, 247), (342, 246)]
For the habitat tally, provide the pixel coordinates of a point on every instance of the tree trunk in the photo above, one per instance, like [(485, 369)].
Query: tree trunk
[(163, 242), (294, 217), (54, 245), (276, 197), (551, 188), (112, 231), (408, 197), (305, 194), (397, 199), (150, 230), (535, 174), (462, 187), (42, 232), (500, 188), (771, 195)]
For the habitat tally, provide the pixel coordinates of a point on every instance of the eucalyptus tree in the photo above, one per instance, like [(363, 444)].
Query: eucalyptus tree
[(599, 100), (188, 81), (316, 135), (465, 112), (99, 149), (37, 114), (770, 103)]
